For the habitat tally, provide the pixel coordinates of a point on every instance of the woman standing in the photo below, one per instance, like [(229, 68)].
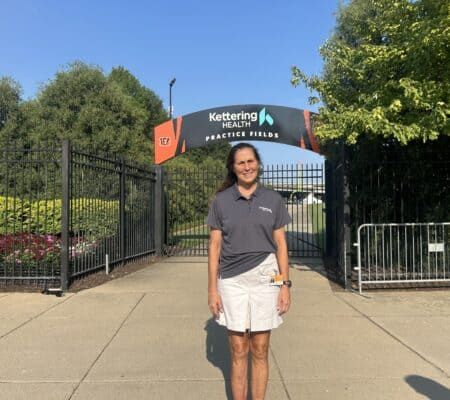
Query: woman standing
[(248, 272)]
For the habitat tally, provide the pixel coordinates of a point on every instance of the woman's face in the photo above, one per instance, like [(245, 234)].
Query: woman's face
[(245, 166)]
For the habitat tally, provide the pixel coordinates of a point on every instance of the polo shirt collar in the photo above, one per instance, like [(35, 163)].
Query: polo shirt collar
[(237, 194)]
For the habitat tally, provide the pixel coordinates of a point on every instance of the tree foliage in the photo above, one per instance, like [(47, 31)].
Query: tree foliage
[(101, 113), (10, 96), (385, 72), (111, 113), (198, 156), (144, 97)]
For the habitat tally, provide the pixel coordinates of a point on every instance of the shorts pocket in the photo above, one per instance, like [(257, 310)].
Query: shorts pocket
[(268, 272)]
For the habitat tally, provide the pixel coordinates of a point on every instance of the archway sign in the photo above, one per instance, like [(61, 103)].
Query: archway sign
[(234, 123)]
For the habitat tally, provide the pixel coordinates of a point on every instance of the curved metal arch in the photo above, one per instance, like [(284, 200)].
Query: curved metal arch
[(245, 122)]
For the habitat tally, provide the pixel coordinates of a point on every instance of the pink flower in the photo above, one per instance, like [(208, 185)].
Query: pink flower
[(49, 239)]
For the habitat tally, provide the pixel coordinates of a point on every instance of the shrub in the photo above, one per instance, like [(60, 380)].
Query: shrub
[(13, 213), (93, 218)]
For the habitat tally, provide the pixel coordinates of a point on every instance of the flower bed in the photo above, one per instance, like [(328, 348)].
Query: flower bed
[(28, 249)]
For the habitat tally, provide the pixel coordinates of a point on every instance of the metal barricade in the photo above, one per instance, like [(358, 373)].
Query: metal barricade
[(403, 253)]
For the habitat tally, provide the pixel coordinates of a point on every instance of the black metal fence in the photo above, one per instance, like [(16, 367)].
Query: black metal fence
[(188, 195), (414, 196), (400, 192), (303, 188), (190, 191), (384, 192), (338, 242), (30, 214), (65, 213)]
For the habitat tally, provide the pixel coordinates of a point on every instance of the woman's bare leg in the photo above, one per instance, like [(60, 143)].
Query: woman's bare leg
[(239, 347), (259, 349)]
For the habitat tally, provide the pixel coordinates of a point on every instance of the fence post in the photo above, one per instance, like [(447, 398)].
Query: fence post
[(329, 209), (159, 209), (65, 213), (347, 245), (122, 211)]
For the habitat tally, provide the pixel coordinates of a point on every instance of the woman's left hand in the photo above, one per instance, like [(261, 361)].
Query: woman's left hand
[(284, 300)]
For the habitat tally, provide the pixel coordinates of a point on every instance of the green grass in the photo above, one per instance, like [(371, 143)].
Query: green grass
[(317, 215), (189, 235), (191, 229)]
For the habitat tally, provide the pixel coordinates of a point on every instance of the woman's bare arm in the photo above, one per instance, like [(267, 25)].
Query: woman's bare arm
[(215, 241), (279, 237), (284, 298)]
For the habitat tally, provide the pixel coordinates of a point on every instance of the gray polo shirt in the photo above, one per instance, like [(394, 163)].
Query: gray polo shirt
[(247, 226)]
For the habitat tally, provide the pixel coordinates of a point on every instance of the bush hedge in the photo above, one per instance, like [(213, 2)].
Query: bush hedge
[(90, 217)]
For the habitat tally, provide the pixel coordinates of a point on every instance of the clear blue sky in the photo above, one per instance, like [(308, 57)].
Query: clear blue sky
[(221, 52)]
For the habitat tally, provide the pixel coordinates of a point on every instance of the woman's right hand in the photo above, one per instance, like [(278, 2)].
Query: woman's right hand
[(214, 303)]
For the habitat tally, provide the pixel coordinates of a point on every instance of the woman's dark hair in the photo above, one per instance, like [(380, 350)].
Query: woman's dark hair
[(231, 178)]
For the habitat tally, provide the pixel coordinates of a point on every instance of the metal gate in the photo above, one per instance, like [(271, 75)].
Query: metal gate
[(190, 191), (403, 253)]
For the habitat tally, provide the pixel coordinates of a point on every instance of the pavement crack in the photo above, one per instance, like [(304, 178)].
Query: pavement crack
[(34, 317), (106, 346), (281, 375), (385, 330)]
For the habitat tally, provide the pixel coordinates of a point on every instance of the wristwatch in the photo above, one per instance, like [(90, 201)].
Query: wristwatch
[(287, 283)]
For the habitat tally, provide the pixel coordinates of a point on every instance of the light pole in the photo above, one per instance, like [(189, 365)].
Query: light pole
[(171, 83)]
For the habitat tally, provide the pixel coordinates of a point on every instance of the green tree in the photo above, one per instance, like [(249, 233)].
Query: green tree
[(144, 99), (98, 113), (385, 72), (216, 151), (10, 96), (143, 96)]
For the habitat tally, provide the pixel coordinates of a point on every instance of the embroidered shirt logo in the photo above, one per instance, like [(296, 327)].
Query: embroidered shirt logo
[(265, 209)]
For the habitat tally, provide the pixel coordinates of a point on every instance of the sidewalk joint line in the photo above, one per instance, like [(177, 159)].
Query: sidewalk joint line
[(121, 380), (281, 375), (106, 346), (36, 382), (34, 317), (385, 330)]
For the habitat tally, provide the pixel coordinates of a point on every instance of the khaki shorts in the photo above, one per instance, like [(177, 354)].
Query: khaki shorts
[(249, 300)]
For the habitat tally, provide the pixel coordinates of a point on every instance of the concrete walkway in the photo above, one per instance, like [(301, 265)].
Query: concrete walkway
[(149, 336)]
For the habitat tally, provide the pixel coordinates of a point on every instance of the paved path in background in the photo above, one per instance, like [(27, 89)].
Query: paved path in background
[(149, 336)]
